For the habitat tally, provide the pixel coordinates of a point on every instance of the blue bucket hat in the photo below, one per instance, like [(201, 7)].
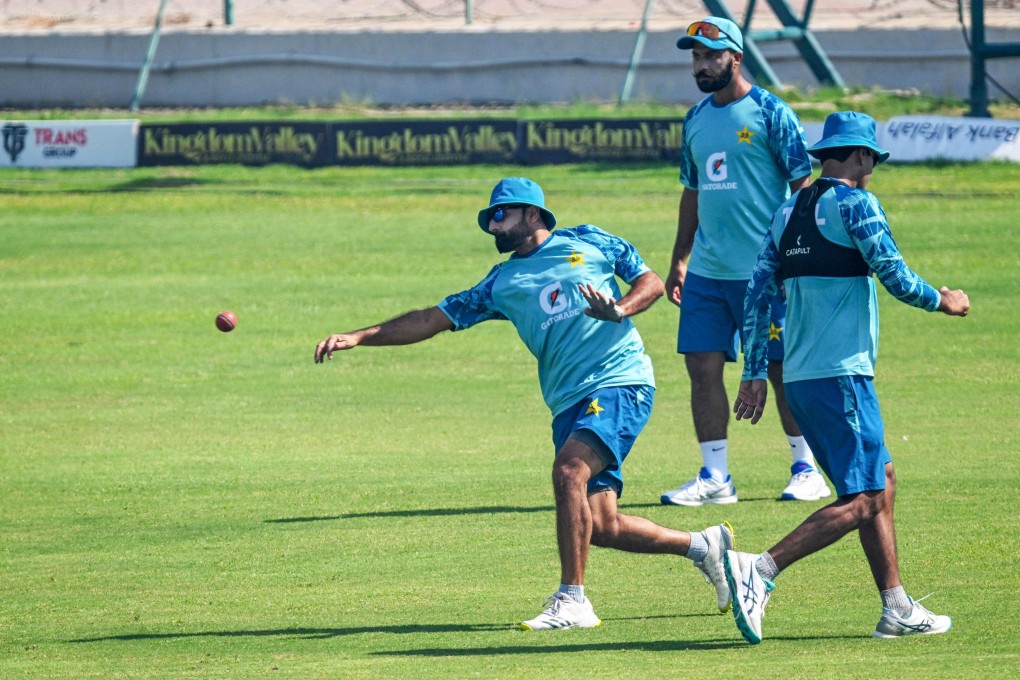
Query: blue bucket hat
[(725, 35), (516, 190), (849, 128)]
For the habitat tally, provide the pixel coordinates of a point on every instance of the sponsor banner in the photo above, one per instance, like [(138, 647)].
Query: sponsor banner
[(921, 138), (577, 141), (298, 143), (913, 139), (453, 142), (68, 143)]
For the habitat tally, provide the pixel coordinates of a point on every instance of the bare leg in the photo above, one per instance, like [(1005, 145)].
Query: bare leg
[(827, 525), (709, 404), (575, 464), (583, 520), (630, 533), (878, 538), (790, 426)]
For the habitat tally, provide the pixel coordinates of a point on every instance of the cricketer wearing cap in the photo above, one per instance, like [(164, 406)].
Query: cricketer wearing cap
[(559, 290), (742, 153)]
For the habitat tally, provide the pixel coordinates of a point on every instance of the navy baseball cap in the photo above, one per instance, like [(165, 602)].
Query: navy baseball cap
[(519, 190), (715, 33), (849, 128)]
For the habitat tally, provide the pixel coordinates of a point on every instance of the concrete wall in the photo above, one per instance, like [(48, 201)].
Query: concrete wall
[(231, 68)]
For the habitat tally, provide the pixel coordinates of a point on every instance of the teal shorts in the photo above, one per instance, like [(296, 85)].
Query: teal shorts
[(843, 426), (609, 421)]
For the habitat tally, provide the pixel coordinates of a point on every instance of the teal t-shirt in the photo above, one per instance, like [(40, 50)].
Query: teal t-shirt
[(538, 293), (740, 158)]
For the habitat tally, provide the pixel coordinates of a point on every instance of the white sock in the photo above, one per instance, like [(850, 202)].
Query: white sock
[(800, 451), (714, 457), (575, 592)]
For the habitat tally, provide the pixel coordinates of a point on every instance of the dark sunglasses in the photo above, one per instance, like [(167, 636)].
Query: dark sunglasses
[(706, 30), (498, 213)]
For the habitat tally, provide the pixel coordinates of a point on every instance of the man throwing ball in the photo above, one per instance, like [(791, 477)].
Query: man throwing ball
[(559, 290)]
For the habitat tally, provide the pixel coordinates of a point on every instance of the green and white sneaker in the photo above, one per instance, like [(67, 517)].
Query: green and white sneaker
[(562, 611), (920, 622), (720, 539), (750, 593)]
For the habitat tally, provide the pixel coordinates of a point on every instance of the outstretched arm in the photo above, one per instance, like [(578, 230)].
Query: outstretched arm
[(405, 329), (644, 290)]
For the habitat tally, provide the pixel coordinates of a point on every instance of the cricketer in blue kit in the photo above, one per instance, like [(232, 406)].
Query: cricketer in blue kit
[(827, 244), (559, 290), (741, 155)]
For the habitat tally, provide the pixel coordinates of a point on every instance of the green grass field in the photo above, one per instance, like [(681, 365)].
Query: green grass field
[(177, 502)]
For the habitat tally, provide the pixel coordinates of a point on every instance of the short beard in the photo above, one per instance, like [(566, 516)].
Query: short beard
[(717, 83)]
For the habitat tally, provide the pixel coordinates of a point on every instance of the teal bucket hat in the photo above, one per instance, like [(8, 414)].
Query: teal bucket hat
[(849, 128), (511, 190), (715, 33)]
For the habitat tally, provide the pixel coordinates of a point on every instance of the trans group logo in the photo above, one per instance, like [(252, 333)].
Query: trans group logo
[(14, 139)]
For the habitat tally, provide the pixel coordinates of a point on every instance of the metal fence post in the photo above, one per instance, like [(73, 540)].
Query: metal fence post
[(143, 73)]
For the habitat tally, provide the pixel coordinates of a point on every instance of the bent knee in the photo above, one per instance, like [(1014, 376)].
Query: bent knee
[(604, 531)]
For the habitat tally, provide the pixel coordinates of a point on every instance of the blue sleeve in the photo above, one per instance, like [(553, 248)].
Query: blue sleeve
[(627, 262), (761, 289), (869, 230), (472, 306), (786, 139)]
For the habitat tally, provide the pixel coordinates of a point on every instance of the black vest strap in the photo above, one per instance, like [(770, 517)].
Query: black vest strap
[(803, 251)]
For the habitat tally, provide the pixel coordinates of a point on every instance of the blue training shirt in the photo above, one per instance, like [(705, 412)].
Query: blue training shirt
[(740, 158), (538, 293), (831, 322)]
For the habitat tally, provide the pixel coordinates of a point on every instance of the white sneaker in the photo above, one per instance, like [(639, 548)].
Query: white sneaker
[(750, 593), (562, 611), (920, 622), (702, 490), (806, 484), (720, 539)]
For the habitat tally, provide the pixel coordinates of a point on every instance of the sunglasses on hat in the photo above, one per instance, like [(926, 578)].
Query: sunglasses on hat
[(706, 30)]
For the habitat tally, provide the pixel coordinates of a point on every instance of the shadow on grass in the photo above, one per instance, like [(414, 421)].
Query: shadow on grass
[(438, 512), (640, 646), (411, 629), (311, 633)]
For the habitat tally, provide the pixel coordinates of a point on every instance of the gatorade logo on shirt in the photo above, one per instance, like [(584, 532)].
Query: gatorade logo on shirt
[(556, 304), (716, 173)]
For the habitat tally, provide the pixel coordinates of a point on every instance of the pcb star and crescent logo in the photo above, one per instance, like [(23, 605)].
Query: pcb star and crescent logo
[(745, 135), (594, 407)]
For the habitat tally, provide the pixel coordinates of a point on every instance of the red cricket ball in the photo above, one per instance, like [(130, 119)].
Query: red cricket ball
[(226, 321)]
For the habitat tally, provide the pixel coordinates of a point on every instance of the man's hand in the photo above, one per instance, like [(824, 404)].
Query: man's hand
[(675, 283), (750, 401), (335, 342), (954, 302), (601, 306)]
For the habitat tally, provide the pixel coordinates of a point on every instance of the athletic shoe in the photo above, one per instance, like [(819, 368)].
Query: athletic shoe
[(719, 539), (750, 593), (702, 490), (920, 622), (806, 484), (562, 611)]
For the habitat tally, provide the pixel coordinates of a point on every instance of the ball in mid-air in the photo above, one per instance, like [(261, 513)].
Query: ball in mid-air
[(226, 321)]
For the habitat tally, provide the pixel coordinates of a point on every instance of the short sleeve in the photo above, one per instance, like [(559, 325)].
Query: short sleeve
[(472, 306)]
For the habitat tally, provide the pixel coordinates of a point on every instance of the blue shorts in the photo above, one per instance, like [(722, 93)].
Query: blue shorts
[(843, 426), (712, 318), (614, 416)]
